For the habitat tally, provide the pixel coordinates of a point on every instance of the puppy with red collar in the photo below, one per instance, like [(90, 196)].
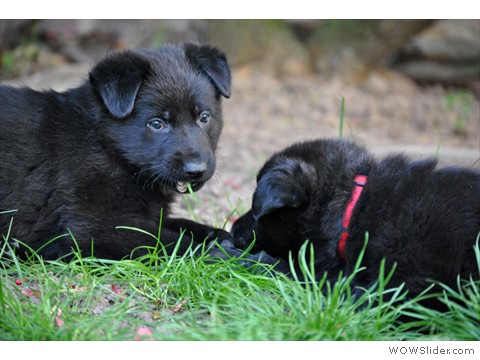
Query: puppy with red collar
[(422, 219)]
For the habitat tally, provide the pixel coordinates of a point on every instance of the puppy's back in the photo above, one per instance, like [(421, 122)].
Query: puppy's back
[(12, 104), (21, 113)]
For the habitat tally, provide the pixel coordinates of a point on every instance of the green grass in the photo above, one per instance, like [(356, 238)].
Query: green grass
[(460, 104), (195, 298)]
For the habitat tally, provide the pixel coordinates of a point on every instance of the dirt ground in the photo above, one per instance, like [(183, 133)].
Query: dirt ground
[(387, 112)]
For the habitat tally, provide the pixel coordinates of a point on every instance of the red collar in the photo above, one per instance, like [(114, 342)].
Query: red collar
[(360, 181)]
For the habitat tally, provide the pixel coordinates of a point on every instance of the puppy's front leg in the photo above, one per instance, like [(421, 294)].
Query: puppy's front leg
[(193, 232), (134, 240)]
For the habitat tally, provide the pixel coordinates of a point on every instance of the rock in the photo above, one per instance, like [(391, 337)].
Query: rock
[(13, 31), (447, 52), (59, 78), (447, 41), (352, 48), (89, 40), (267, 44), (432, 71)]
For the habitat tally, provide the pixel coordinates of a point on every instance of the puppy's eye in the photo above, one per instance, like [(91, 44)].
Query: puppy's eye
[(156, 124), (204, 118)]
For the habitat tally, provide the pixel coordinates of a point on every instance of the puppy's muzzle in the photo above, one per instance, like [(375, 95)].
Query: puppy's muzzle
[(195, 174), (195, 170)]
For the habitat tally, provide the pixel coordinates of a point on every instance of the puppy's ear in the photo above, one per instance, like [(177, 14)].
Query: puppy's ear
[(117, 80), (286, 185), (213, 63)]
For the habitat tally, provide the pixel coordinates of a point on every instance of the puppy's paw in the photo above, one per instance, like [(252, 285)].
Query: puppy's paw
[(243, 231), (262, 257), (224, 249), (218, 235)]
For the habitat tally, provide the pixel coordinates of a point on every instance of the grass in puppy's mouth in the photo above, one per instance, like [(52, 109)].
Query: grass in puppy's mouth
[(183, 187)]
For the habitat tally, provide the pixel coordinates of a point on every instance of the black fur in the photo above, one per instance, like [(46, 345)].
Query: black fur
[(110, 152), (426, 220)]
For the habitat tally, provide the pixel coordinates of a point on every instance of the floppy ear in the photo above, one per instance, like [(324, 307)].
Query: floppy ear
[(117, 80), (272, 197), (287, 185), (213, 63)]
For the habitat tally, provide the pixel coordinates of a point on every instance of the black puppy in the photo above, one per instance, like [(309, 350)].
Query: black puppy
[(332, 192), (112, 152)]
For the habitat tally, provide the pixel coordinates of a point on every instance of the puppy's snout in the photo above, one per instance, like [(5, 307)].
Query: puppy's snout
[(195, 169)]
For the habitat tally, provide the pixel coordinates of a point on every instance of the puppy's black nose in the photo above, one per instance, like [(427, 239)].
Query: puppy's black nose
[(195, 170)]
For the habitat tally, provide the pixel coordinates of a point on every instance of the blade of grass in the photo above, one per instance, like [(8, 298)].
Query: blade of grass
[(342, 118), (192, 194)]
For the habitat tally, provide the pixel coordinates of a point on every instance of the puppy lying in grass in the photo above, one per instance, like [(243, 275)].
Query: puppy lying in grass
[(423, 220), (113, 152)]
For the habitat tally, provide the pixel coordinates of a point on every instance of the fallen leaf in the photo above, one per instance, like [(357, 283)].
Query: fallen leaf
[(58, 320), (179, 305), (116, 291), (78, 288), (28, 292), (156, 315), (144, 334)]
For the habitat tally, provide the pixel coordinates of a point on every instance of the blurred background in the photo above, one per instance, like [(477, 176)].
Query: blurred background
[(409, 85), (427, 51)]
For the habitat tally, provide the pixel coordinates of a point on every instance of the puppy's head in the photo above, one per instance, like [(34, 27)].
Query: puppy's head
[(300, 195), (161, 111), (282, 196)]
